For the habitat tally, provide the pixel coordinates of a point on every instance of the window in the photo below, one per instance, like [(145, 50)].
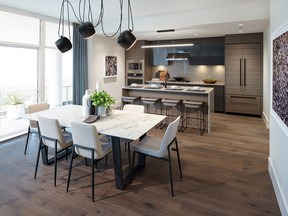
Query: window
[(58, 69), (23, 65)]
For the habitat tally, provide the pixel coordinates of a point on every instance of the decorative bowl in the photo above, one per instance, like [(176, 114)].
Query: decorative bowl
[(210, 81)]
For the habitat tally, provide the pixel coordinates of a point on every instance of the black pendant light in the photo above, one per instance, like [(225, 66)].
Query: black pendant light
[(86, 30), (126, 39), (63, 44)]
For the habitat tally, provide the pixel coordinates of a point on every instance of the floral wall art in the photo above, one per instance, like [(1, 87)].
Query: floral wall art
[(110, 66), (280, 77)]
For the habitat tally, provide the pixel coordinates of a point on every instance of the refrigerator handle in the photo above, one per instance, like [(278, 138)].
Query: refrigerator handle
[(244, 71), (240, 72)]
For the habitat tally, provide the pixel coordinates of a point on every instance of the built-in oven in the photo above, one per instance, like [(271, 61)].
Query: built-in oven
[(135, 66), (134, 72), (134, 78)]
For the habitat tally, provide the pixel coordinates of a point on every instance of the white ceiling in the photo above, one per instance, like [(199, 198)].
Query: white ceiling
[(189, 18)]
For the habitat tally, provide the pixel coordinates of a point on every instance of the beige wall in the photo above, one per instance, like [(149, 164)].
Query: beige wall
[(98, 48)]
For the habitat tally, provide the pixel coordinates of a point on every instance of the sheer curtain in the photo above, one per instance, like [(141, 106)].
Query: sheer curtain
[(80, 66)]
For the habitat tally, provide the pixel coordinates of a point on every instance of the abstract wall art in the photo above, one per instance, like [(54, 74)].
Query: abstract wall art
[(280, 75), (110, 66)]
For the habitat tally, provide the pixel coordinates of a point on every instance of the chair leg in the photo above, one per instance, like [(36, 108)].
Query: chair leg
[(55, 163), (93, 172), (178, 156), (70, 170), (132, 167), (27, 139), (106, 159), (37, 160), (129, 157), (170, 169), (86, 162)]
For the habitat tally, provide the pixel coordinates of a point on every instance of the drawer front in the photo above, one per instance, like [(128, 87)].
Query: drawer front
[(243, 104)]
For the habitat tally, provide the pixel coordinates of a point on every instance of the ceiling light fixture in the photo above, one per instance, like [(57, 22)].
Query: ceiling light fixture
[(86, 28), (165, 30), (167, 45)]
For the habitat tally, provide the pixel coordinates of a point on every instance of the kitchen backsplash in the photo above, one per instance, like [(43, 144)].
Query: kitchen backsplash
[(192, 73)]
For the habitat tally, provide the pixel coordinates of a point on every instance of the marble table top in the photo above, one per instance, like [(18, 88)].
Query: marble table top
[(123, 124)]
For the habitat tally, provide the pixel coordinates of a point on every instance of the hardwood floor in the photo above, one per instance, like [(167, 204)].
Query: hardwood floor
[(224, 173)]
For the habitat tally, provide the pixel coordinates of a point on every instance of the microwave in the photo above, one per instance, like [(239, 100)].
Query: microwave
[(135, 66)]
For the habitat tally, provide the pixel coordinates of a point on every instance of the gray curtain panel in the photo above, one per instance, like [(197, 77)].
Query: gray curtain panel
[(80, 66)]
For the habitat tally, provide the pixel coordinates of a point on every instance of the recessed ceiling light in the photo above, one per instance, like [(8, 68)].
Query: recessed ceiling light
[(240, 31), (195, 34), (240, 24)]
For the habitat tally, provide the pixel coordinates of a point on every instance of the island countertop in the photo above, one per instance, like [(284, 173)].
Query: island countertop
[(192, 83), (172, 88), (203, 94)]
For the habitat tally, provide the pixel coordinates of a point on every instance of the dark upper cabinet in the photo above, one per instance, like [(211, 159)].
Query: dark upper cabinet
[(208, 51)]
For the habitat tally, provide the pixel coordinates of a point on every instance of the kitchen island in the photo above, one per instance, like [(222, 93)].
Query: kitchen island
[(219, 90), (177, 92)]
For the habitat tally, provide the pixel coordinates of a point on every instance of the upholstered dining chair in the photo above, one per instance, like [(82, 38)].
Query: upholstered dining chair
[(32, 128), (87, 144), (131, 108), (160, 148), (52, 136)]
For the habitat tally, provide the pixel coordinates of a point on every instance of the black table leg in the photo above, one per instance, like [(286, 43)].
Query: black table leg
[(116, 148)]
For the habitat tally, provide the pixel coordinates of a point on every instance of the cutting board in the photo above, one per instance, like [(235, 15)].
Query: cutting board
[(162, 75)]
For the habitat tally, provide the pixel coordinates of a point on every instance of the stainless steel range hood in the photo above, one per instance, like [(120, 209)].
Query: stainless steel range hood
[(177, 56)]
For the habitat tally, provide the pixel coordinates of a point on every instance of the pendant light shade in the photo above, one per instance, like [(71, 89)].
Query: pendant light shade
[(86, 30), (126, 39), (63, 44)]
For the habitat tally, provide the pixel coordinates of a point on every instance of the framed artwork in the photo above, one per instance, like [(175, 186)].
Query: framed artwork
[(110, 66), (280, 74)]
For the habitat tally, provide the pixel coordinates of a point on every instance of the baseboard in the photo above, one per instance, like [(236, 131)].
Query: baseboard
[(266, 120), (278, 191)]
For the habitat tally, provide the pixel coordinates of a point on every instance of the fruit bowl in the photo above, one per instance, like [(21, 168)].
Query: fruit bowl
[(210, 81)]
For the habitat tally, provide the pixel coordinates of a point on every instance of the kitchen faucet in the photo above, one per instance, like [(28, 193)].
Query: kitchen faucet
[(167, 77)]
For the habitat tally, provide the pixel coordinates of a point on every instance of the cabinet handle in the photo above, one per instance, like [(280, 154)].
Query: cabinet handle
[(244, 71), (240, 72)]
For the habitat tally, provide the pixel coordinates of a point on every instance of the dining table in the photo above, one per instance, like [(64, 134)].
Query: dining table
[(119, 124)]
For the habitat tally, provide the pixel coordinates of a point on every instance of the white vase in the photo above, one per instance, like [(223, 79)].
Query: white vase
[(15, 111), (85, 105), (101, 111)]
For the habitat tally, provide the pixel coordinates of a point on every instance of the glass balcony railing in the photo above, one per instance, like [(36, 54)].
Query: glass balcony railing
[(10, 128)]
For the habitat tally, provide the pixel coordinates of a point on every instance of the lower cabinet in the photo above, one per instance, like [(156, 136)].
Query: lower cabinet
[(243, 104)]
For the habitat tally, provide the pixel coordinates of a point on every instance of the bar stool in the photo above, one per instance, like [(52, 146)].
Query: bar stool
[(193, 107), (169, 105), (130, 100), (149, 102)]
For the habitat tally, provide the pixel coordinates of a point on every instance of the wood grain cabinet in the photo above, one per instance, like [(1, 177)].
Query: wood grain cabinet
[(243, 72)]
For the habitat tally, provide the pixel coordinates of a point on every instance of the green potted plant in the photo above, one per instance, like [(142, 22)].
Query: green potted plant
[(16, 106), (102, 100)]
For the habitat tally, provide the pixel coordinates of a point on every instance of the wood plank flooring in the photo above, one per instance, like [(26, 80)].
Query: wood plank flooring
[(224, 173)]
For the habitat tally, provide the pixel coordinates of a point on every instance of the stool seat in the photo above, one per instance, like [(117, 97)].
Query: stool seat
[(193, 104), (129, 99), (147, 100), (170, 102)]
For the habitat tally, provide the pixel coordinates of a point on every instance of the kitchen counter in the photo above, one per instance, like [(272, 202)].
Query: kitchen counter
[(204, 94), (187, 83)]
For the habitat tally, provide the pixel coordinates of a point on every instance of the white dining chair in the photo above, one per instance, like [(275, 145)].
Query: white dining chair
[(131, 108), (52, 136), (88, 145), (33, 128), (160, 148)]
